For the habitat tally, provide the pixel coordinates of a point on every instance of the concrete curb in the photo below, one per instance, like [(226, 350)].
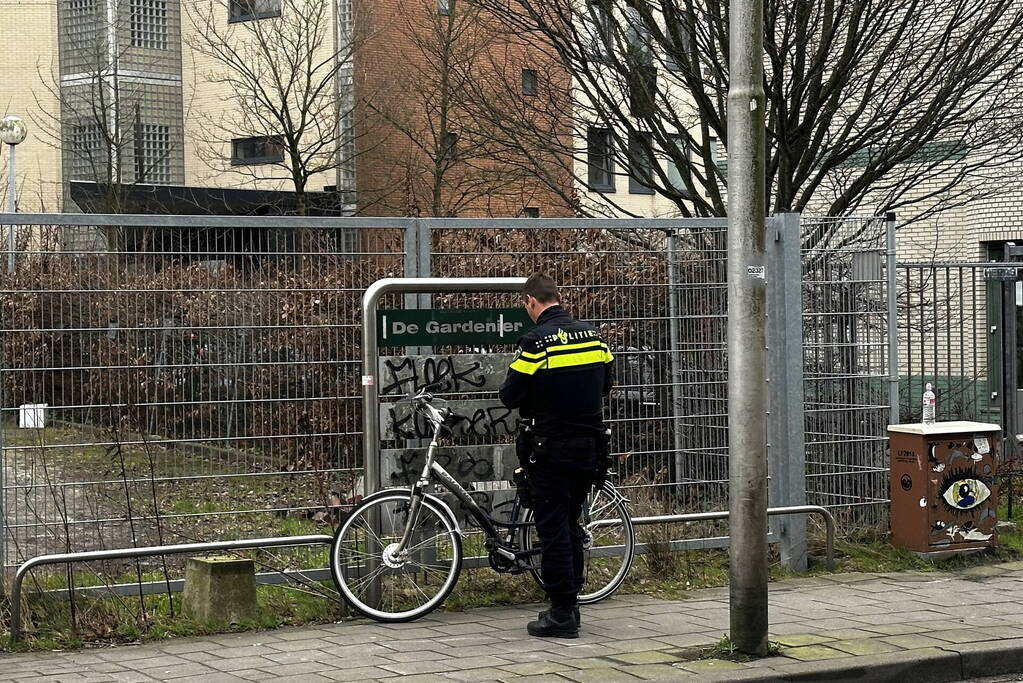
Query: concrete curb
[(990, 658), (929, 665), (925, 665)]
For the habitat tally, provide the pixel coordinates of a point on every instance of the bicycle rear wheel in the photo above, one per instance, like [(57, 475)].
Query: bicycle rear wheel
[(389, 586), (610, 544)]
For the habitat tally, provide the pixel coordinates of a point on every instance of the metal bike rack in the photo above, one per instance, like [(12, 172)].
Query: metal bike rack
[(829, 521), (147, 551)]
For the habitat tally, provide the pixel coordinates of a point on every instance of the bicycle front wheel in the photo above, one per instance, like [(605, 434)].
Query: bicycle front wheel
[(387, 585), (609, 544)]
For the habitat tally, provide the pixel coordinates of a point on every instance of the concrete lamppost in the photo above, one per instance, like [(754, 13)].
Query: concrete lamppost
[(12, 132)]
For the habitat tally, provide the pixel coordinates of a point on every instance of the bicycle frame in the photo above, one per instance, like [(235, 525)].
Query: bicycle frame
[(431, 466)]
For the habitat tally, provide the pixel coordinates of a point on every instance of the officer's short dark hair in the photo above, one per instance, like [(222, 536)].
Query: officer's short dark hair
[(543, 288)]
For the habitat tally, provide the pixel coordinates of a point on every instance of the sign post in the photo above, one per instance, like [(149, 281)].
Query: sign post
[(371, 354)]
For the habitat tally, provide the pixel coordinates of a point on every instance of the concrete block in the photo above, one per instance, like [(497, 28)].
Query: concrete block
[(220, 590)]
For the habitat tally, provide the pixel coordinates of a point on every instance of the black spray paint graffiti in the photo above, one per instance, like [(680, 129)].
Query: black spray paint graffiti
[(451, 373), (482, 471), (484, 420), (408, 465)]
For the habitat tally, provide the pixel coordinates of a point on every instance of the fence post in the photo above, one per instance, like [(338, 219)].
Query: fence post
[(674, 336), (786, 423), (893, 320), (1010, 385)]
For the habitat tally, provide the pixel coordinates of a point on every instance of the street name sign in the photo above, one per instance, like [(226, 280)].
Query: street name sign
[(449, 326)]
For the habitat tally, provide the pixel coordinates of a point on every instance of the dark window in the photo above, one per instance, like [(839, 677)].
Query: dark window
[(642, 90), (257, 150), (640, 164), (530, 212), (449, 147), (529, 81), (678, 41), (599, 157), (247, 10), (597, 31)]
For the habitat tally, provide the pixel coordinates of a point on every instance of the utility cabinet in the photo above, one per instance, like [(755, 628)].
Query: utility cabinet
[(944, 490)]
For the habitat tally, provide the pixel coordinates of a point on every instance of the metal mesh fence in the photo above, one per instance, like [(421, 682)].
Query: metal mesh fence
[(943, 337), (846, 366), (199, 382), (702, 382), (201, 376)]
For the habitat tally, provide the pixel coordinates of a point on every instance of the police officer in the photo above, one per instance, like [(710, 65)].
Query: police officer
[(558, 380)]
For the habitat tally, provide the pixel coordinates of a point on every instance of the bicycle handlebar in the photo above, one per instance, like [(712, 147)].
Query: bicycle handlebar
[(425, 396)]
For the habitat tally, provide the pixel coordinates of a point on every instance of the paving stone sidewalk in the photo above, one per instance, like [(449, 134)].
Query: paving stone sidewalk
[(913, 626)]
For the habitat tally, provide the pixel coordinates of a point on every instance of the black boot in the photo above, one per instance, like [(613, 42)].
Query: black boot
[(553, 624), (575, 615)]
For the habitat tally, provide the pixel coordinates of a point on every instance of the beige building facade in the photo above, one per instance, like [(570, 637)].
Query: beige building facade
[(29, 56)]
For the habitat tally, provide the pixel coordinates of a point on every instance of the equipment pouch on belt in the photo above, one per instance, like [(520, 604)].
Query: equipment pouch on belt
[(523, 445), (522, 488), (603, 462)]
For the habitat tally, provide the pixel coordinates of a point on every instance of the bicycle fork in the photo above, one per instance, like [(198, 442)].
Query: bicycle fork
[(416, 498)]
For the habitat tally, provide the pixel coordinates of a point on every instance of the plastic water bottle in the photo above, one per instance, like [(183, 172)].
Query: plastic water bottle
[(930, 403)]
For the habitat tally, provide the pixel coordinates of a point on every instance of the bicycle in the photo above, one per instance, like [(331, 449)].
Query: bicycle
[(398, 555)]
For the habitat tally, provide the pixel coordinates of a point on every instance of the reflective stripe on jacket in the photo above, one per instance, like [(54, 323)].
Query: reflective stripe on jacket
[(559, 376)]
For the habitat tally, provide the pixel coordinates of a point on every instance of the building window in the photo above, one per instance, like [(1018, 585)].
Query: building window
[(531, 212), (678, 41), (444, 7), (679, 154), (599, 159), (152, 154), (80, 26), (149, 24), (637, 37), (529, 81), (247, 10), (642, 90), (257, 150), (88, 153), (597, 31), (718, 155), (449, 147), (640, 164)]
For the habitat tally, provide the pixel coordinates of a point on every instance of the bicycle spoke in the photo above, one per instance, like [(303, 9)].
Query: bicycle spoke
[(425, 542), (363, 581)]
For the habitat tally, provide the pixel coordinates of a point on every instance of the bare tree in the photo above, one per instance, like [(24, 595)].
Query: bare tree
[(443, 160), (289, 77), (881, 103)]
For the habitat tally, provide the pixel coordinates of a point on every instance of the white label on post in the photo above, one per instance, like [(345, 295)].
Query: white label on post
[(368, 380), (758, 272)]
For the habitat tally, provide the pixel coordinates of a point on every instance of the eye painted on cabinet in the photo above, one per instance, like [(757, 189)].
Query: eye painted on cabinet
[(965, 493)]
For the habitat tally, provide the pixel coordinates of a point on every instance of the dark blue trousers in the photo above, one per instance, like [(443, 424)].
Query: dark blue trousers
[(559, 481)]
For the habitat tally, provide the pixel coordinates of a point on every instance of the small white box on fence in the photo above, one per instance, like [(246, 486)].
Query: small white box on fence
[(32, 415)]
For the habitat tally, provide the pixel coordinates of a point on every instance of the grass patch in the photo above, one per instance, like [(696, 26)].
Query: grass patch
[(156, 617)]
